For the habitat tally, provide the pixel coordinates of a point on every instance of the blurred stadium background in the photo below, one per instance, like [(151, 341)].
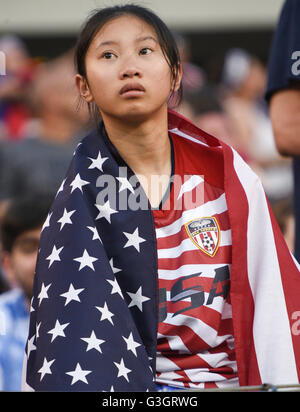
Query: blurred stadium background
[(212, 26)]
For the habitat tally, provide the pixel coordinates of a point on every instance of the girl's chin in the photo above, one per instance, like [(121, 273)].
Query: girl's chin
[(134, 114)]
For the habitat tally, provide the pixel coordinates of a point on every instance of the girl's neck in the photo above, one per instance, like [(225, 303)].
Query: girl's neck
[(144, 146)]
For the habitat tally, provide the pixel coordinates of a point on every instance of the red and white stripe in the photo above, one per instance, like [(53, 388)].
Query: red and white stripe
[(265, 278), (195, 348), (268, 272)]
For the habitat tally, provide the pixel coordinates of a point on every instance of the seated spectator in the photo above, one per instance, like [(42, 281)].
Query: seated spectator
[(40, 161), (244, 82), (19, 72), (193, 76), (20, 233), (207, 112)]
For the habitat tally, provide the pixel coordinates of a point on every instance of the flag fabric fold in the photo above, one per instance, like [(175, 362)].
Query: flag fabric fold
[(94, 312), (265, 284)]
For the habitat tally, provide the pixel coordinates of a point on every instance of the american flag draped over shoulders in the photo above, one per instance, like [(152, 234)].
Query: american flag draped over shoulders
[(93, 323), (94, 275)]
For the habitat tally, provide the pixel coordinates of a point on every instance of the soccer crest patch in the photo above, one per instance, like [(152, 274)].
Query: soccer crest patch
[(205, 234)]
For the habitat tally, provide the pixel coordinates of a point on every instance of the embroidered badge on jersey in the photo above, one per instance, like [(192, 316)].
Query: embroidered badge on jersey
[(205, 234)]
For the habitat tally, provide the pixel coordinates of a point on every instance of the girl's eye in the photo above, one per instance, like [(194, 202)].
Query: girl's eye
[(145, 50), (108, 55)]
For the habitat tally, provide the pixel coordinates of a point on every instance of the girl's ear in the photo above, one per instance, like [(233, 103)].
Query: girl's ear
[(178, 78), (83, 88)]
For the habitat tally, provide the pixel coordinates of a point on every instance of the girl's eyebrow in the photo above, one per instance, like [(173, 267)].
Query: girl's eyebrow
[(107, 43), (146, 38), (113, 42)]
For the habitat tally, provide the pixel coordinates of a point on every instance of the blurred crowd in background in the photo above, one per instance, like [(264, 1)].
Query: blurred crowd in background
[(41, 123)]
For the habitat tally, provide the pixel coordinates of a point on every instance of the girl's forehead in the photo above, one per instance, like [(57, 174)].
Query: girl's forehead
[(122, 27)]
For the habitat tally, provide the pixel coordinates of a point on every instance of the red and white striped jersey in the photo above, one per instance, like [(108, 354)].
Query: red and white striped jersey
[(195, 345)]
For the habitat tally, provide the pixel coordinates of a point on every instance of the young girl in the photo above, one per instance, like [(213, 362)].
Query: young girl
[(160, 263)]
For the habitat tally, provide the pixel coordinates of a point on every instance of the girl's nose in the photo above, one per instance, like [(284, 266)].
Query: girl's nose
[(130, 73), (130, 67)]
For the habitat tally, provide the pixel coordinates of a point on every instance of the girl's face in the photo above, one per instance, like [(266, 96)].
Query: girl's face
[(127, 74)]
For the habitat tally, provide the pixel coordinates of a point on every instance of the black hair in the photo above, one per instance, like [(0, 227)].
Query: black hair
[(99, 17), (21, 215)]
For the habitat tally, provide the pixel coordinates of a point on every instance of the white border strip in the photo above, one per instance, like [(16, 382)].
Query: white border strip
[(271, 329)]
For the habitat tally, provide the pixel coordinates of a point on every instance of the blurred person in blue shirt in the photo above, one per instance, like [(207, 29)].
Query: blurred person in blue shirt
[(283, 97), (20, 234)]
